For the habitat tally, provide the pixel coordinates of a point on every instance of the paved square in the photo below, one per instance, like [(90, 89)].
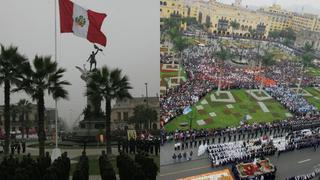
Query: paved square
[(230, 106), (259, 97), (204, 102), (201, 122), (248, 117), (263, 107), (303, 92), (199, 107), (288, 115), (213, 114), (214, 97)]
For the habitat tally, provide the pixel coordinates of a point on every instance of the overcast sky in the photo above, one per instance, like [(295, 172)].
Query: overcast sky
[(310, 6), (132, 30)]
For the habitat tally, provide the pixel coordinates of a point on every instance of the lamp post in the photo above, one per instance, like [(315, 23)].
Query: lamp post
[(146, 84)]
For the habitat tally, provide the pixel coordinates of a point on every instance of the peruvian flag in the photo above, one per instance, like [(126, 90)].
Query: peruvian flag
[(82, 22)]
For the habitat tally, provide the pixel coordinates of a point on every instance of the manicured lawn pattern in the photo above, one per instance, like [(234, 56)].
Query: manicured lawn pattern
[(245, 105), (315, 99)]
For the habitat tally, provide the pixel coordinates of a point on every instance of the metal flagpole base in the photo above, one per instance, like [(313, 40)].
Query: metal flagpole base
[(56, 152)]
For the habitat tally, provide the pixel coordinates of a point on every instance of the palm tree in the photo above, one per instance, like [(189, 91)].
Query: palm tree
[(24, 107), (109, 85), (11, 64), (44, 76)]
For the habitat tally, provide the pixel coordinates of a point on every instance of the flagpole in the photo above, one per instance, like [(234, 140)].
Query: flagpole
[(56, 58), (55, 29), (56, 119), (56, 152)]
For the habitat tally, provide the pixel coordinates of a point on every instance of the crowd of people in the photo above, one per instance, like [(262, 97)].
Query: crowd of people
[(235, 152), (11, 168), (309, 176), (291, 100), (205, 73), (135, 146), (289, 124)]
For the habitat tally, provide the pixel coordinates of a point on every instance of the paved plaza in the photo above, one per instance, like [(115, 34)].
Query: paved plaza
[(301, 162)]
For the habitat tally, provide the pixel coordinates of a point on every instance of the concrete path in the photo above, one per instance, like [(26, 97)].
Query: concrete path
[(263, 107)]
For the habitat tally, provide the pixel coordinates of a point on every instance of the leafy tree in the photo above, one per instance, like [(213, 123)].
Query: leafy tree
[(307, 58), (11, 66), (274, 34), (207, 24), (174, 33), (268, 59), (191, 21), (235, 25), (180, 43), (288, 33), (253, 32), (143, 114), (308, 47), (24, 108), (43, 76), (109, 85), (223, 54)]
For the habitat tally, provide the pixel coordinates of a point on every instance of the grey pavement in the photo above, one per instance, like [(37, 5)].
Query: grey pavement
[(288, 164), (167, 150)]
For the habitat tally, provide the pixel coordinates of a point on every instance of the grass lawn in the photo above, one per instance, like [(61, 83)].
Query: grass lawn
[(245, 105), (315, 99), (314, 71), (173, 74), (94, 163), (164, 75)]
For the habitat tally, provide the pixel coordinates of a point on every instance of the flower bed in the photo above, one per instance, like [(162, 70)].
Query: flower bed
[(259, 167)]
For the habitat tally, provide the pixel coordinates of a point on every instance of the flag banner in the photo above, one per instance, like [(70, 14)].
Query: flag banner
[(81, 22), (187, 110), (132, 134)]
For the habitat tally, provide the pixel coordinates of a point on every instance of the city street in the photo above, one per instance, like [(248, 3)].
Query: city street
[(288, 164)]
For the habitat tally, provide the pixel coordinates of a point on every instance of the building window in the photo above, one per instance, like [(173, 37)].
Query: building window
[(125, 116), (119, 116)]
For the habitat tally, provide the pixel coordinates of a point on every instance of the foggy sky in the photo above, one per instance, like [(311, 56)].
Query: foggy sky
[(308, 6), (132, 30)]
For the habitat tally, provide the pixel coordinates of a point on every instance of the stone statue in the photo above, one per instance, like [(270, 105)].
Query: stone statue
[(93, 103), (84, 73)]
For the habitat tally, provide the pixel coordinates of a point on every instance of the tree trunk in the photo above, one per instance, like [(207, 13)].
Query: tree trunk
[(41, 132), (7, 116), (22, 125), (108, 126), (27, 132)]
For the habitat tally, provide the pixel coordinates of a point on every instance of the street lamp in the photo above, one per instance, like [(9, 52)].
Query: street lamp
[(146, 93), (146, 84)]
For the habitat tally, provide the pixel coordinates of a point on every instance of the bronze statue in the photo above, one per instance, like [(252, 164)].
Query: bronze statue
[(92, 57)]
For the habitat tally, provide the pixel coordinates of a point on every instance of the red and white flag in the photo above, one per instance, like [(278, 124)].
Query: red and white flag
[(81, 22)]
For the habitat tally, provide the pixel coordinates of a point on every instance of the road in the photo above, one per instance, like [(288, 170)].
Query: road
[(288, 164)]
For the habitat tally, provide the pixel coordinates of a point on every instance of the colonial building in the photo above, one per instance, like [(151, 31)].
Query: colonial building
[(123, 110), (304, 22), (172, 7), (30, 119), (220, 16), (279, 18)]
